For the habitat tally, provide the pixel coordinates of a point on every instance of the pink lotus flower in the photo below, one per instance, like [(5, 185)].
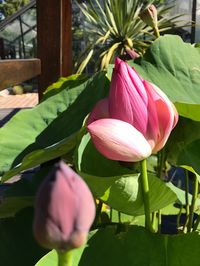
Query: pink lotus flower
[(149, 115), (64, 210)]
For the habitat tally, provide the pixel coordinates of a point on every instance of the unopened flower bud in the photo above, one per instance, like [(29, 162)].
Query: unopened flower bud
[(139, 117), (132, 53), (64, 210), (150, 16)]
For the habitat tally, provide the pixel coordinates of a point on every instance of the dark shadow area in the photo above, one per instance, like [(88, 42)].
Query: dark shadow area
[(169, 223), (7, 114), (18, 246)]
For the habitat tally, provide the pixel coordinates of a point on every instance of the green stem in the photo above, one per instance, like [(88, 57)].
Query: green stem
[(65, 258), (98, 213), (187, 205), (154, 219), (179, 217), (187, 192), (119, 217), (196, 223), (146, 198), (156, 32), (192, 207), (159, 221), (111, 214), (161, 163)]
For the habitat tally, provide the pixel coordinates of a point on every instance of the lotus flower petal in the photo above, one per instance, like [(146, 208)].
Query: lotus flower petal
[(128, 97), (99, 111), (160, 128), (118, 140)]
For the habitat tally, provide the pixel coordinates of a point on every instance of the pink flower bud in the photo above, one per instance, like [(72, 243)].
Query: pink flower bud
[(142, 104), (64, 210), (139, 103), (150, 16), (132, 53)]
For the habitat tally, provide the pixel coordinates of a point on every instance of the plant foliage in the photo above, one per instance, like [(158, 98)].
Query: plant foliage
[(56, 129), (113, 26)]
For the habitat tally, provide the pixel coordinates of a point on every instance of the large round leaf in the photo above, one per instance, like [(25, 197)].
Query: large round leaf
[(183, 147), (134, 246), (174, 66), (57, 117), (40, 156)]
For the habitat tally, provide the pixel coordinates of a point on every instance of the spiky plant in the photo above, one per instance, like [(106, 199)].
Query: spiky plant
[(113, 27)]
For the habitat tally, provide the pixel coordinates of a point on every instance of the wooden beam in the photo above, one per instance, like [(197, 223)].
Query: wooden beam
[(54, 40), (13, 72)]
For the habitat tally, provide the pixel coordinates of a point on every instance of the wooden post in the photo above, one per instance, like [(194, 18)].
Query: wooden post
[(54, 40), (66, 37)]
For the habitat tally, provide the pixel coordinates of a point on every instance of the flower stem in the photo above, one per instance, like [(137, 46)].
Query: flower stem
[(179, 218), (146, 199), (156, 32), (192, 207), (159, 221), (111, 214), (160, 167), (98, 213), (196, 223), (65, 258), (119, 217), (187, 192), (161, 163), (154, 219), (187, 205)]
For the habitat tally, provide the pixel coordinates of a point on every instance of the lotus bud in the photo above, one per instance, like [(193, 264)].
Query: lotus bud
[(150, 16), (139, 103), (64, 210), (132, 53)]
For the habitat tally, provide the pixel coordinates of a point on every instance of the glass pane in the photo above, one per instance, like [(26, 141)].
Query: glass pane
[(21, 37), (11, 31), (29, 17), (182, 7)]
